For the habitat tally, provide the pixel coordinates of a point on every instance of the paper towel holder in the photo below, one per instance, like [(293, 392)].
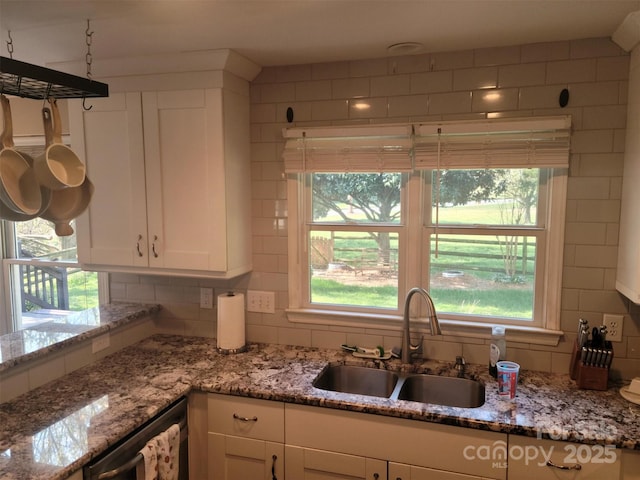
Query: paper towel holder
[(230, 351)]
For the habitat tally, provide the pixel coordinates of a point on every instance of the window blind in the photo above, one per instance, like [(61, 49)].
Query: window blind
[(541, 142), (376, 148)]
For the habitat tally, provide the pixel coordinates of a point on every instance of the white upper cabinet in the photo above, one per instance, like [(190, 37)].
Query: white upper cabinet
[(172, 176), (628, 272)]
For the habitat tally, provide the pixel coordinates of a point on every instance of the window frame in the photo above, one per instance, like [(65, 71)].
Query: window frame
[(11, 297), (545, 330), (8, 257)]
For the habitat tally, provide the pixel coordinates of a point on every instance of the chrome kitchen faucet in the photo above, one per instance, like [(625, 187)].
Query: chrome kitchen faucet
[(409, 350)]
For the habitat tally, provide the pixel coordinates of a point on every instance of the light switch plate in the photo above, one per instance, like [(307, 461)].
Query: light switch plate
[(261, 302)]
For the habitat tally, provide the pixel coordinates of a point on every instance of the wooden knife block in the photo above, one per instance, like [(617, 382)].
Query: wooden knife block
[(586, 376)]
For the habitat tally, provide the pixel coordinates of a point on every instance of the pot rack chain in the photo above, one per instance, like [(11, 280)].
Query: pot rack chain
[(10, 45), (89, 39), (89, 59)]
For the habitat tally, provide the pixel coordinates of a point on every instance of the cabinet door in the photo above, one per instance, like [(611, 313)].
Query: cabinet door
[(442, 448), (310, 464), (528, 460), (109, 139), (630, 464), (399, 471), (628, 271), (184, 162), (238, 458)]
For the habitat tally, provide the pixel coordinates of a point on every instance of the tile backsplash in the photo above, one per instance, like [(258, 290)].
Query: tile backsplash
[(450, 85)]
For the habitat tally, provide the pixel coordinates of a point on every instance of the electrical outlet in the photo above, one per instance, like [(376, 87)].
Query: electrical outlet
[(206, 297), (614, 326), (100, 343), (261, 302)]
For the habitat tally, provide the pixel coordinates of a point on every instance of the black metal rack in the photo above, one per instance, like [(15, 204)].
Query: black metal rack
[(31, 81)]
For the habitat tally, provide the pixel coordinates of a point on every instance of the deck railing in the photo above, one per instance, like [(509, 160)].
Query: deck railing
[(45, 287)]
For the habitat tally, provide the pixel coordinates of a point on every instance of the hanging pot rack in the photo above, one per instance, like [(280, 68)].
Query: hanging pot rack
[(32, 81)]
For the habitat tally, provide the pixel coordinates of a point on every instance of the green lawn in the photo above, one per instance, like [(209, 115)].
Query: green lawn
[(83, 290), (330, 291), (480, 257)]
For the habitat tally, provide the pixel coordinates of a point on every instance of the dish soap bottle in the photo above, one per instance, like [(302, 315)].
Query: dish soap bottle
[(497, 349)]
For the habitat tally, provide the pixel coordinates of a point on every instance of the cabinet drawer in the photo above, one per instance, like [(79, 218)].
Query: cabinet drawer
[(246, 417), (424, 444), (528, 460)]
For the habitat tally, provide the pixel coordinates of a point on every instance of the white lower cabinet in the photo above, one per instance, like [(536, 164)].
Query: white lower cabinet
[(311, 464), (239, 458), (76, 475), (440, 450), (251, 439), (245, 439), (540, 459), (630, 465), (399, 471)]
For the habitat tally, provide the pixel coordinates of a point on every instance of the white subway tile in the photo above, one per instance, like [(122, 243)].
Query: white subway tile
[(313, 90), (496, 56), (571, 71), (350, 88), (475, 78), (391, 85), (458, 102), (432, 82)]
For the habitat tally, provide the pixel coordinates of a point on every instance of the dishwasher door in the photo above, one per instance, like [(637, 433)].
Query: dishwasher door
[(120, 462)]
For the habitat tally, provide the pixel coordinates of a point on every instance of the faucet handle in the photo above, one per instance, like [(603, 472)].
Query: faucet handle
[(460, 365), (415, 350)]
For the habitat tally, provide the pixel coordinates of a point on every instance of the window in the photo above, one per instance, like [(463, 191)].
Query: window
[(471, 211), (41, 275), (353, 239), (482, 235)]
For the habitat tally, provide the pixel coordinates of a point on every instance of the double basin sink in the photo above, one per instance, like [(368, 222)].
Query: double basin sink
[(416, 387)]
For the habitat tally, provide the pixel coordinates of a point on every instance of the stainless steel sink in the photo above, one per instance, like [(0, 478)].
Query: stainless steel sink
[(450, 391), (424, 388), (358, 380)]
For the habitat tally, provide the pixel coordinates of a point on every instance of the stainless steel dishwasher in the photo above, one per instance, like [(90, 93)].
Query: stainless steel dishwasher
[(120, 461)]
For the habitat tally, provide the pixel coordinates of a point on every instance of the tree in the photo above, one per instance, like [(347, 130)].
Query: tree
[(376, 195), (521, 191), (459, 187)]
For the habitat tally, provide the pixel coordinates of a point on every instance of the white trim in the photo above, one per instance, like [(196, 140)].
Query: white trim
[(104, 293), (454, 328)]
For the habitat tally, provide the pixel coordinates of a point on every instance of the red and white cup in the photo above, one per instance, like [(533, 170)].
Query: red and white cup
[(507, 379)]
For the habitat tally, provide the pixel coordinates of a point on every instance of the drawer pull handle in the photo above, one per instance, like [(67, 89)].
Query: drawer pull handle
[(153, 246), (577, 466), (138, 245), (273, 467), (245, 419), (376, 476)]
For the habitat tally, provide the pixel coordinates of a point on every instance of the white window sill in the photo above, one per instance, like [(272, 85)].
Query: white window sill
[(454, 328)]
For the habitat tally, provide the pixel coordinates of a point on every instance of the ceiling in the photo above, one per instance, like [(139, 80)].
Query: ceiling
[(288, 32)]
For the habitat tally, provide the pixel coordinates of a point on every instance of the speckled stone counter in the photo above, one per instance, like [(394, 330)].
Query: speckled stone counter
[(56, 429), (60, 331)]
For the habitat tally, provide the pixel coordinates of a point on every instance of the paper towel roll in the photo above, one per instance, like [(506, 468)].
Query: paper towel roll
[(231, 337)]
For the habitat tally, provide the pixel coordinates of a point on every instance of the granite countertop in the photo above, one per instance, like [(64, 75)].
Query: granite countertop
[(56, 429), (56, 331)]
